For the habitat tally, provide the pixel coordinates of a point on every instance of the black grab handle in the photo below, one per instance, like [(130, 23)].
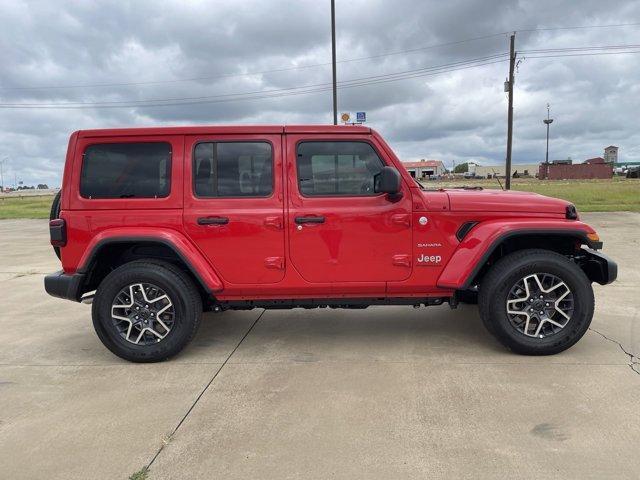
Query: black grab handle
[(213, 221), (315, 219)]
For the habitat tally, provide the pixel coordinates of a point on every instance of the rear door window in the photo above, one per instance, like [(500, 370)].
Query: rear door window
[(126, 170), (233, 169)]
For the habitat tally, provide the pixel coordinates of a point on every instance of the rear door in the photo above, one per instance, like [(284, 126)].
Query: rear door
[(234, 205), (340, 230)]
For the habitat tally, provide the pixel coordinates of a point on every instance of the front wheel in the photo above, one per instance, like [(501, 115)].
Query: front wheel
[(536, 302), (146, 311)]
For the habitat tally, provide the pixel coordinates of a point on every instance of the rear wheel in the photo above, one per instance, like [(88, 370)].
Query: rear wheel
[(536, 302), (146, 311)]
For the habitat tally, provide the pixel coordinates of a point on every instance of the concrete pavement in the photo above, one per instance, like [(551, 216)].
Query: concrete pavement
[(387, 392)]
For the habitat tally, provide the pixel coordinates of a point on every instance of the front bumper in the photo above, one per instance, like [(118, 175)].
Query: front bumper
[(598, 267), (62, 285)]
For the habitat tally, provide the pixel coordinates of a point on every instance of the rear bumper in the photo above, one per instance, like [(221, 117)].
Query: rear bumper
[(62, 285), (598, 267)]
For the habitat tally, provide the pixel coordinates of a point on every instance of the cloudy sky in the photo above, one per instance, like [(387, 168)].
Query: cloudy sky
[(202, 62)]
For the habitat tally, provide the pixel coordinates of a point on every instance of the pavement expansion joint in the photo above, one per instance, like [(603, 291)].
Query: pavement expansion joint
[(167, 438), (24, 274), (634, 361)]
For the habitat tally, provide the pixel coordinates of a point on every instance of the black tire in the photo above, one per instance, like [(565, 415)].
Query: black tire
[(53, 214), (187, 308), (503, 276)]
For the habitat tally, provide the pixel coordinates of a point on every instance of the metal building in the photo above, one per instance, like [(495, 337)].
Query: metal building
[(425, 168)]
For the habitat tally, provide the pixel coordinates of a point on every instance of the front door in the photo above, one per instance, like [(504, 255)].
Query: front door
[(234, 205), (340, 229)]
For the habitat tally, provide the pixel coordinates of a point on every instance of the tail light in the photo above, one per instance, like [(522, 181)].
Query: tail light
[(58, 232)]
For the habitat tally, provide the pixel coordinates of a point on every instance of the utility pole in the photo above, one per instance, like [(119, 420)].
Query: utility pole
[(548, 121), (512, 63), (333, 61)]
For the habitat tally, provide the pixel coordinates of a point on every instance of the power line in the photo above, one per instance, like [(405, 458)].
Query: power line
[(538, 53), (302, 67), (442, 67), (579, 54), (257, 96), (362, 81), (577, 27), (580, 51), (568, 49), (293, 91), (263, 72), (269, 94)]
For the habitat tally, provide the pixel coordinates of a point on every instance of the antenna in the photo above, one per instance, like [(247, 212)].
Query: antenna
[(496, 177)]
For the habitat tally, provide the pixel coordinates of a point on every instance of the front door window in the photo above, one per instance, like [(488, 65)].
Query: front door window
[(337, 168)]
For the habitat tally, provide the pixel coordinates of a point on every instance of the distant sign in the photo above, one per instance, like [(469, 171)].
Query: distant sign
[(348, 118)]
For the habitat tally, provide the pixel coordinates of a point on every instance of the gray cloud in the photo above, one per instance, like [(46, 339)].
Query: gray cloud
[(456, 116)]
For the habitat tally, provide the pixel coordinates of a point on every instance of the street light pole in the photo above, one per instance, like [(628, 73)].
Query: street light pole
[(2, 175), (333, 61), (548, 121)]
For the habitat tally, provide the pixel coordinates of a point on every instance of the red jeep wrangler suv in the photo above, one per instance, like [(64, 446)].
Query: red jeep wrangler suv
[(155, 225)]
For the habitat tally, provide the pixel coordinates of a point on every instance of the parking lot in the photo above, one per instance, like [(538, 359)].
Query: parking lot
[(386, 392)]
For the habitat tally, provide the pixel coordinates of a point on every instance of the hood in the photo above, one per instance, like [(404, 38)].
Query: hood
[(504, 201)]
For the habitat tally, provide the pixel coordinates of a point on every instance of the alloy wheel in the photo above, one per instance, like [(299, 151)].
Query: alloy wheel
[(142, 313), (540, 305)]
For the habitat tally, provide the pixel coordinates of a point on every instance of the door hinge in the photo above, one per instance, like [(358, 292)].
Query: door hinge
[(276, 263), (402, 260), (403, 219)]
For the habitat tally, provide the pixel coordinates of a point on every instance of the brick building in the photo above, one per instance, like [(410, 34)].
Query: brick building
[(594, 160), (551, 171)]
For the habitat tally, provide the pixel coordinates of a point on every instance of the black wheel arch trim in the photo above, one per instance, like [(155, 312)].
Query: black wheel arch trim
[(577, 234), (85, 268)]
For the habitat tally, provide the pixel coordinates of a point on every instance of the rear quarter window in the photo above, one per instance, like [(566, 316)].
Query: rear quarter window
[(126, 170)]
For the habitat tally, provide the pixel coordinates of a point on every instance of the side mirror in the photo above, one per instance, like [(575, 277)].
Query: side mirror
[(388, 181)]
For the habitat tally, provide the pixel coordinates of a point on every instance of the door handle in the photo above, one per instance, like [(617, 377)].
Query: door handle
[(313, 219), (213, 220)]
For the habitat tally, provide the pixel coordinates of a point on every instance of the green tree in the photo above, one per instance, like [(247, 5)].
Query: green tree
[(461, 168)]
